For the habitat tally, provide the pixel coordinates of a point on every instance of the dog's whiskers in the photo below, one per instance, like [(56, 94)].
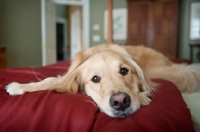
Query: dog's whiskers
[(36, 75)]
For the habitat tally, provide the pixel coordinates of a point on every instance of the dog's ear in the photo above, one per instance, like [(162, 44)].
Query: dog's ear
[(146, 83), (79, 58), (71, 81)]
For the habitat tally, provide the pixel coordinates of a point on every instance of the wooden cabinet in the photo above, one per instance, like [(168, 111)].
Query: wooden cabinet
[(2, 57), (154, 23)]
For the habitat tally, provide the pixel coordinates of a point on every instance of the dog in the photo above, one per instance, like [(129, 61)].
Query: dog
[(118, 78)]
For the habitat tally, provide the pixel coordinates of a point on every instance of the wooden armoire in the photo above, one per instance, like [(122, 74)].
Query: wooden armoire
[(154, 23)]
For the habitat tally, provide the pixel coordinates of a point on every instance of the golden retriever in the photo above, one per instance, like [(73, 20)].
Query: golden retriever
[(118, 78)]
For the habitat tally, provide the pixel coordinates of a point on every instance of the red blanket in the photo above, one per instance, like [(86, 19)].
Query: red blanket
[(48, 111)]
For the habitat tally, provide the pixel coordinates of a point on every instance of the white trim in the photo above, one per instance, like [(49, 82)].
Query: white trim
[(86, 24), (67, 2), (75, 33), (43, 45)]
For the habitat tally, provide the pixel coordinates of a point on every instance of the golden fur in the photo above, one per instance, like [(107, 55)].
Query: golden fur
[(105, 62)]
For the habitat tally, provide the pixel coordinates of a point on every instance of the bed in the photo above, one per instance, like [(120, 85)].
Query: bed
[(51, 111)]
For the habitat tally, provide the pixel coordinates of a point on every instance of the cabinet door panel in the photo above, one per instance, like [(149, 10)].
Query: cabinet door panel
[(137, 23), (154, 24)]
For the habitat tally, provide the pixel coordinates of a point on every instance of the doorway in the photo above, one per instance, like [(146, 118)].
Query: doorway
[(62, 45), (48, 14), (68, 31), (59, 41)]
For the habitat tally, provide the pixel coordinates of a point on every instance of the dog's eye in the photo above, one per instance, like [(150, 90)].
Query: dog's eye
[(123, 71), (96, 79)]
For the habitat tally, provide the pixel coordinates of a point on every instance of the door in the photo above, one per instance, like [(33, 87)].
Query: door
[(76, 28), (165, 24), (139, 23), (154, 24)]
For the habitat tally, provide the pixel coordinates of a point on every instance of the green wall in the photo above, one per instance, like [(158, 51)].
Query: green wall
[(20, 29), (20, 32), (97, 8), (184, 50)]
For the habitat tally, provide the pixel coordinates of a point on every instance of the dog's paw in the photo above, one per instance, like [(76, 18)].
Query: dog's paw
[(14, 89), (145, 98)]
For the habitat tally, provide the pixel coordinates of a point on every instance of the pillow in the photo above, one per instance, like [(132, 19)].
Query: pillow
[(46, 111), (167, 112)]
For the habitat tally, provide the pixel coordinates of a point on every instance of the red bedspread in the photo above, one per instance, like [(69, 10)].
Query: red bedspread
[(48, 111)]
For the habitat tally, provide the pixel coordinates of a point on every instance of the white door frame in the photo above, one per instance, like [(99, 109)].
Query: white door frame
[(86, 23)]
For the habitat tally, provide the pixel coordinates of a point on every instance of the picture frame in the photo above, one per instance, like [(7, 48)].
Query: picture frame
[(194, 30), (119, 24)]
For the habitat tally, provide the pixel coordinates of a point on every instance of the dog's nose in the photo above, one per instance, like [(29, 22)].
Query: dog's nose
[(120, 101)]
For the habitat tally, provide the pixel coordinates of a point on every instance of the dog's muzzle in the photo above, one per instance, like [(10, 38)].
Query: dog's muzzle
[(120, 102)]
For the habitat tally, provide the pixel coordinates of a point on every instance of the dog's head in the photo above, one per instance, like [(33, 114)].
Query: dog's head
[(111, 78)]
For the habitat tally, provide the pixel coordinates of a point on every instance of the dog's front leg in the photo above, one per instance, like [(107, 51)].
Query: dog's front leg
[(46, 84)]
